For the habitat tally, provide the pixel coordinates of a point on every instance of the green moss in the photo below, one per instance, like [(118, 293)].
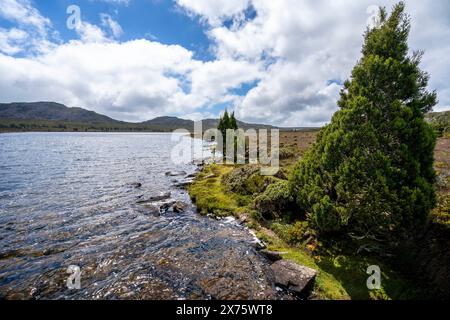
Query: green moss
[(210, 196)]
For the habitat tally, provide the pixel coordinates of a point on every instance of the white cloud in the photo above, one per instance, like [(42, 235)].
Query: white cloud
[(91, 33), (121, 2), (215, 11), (24, 14), (134, 80), (11, 41), (126, 80)]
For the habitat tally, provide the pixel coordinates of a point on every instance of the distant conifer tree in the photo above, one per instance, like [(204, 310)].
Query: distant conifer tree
[(233, 122)]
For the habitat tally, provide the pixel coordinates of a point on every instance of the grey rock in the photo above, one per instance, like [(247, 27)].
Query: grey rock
[(166, 206), (136, 184), (179, 207), (183, 184), (175, 173), (272, 255), (161, 197), (258, 245), (151, 208), (294, 277)]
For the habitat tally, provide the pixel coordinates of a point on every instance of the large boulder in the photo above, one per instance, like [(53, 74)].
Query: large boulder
[(293, 277)]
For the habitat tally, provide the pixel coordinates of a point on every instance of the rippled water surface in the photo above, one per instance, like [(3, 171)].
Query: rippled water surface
[(72, 199)]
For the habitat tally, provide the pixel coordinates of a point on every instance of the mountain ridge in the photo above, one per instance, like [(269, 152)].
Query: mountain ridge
[(51, 115)]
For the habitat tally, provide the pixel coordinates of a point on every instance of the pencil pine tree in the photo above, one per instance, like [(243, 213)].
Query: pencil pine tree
[(370, 173)]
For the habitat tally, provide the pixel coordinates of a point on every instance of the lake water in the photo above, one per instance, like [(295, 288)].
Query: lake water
[(73, 199)]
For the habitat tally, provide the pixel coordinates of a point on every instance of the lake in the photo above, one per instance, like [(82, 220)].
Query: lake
[(81, 199)]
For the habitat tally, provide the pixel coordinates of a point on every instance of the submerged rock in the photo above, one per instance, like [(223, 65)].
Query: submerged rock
[(293, 277), (161, 197), (135, 185), (175, 173), (183, 184), (166, 206), (153, 209), (180, 207)]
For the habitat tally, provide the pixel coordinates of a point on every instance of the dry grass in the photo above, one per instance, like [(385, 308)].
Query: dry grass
[(300, 140)]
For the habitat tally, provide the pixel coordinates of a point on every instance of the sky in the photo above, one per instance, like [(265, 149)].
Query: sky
[(276, 62)]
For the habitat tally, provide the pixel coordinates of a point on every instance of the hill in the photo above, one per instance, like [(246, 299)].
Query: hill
[(174, 122), (51, 116), (50, 111)]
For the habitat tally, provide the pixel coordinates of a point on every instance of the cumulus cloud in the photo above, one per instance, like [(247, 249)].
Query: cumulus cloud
[(135, 80), (24, 14), (213, 12), (12, 40)]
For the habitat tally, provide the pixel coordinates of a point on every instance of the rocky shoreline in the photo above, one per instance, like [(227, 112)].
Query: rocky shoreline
[(296, 281), (288, 276)]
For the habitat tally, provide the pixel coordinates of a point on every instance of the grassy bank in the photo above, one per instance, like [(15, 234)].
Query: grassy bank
[(225, 190)]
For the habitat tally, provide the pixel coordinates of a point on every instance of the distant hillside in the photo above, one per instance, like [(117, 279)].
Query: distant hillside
[(50, 111), (50, 116), (174, 122), (440, 121)]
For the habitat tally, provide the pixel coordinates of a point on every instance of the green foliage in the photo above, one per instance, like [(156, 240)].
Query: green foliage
[(371, 171), (275, 201), (233, 123), (227, 122), (441, 214), (288, 232), (224, 124), (287, 153), (247, 180)]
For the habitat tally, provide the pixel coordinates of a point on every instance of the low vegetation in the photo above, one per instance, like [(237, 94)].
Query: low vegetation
[(440, 122)]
